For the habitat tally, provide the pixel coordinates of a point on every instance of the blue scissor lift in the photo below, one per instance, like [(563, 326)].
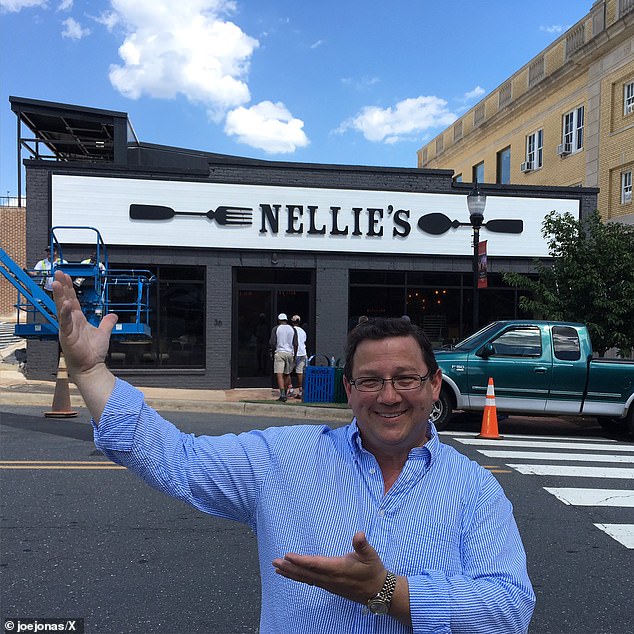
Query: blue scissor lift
[(100, 290)]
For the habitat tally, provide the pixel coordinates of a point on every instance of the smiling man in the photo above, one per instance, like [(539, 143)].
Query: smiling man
[(372, 527)]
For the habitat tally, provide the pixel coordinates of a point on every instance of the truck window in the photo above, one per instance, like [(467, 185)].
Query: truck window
[(566, 343), (520, 342)]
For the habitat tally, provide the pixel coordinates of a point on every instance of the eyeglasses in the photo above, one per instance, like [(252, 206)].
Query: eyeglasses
[(400, 383)]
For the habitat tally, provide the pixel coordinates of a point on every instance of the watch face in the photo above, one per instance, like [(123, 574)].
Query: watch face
[(376, 606)]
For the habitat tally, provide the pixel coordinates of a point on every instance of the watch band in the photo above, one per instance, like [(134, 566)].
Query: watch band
[(380, 603)]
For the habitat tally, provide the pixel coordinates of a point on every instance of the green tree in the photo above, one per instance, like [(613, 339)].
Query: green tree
[(590, 278)]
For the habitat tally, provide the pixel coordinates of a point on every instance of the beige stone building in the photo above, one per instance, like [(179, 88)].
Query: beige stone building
[(565, 118)]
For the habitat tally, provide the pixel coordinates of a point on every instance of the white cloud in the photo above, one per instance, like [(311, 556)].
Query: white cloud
[(554, 29), (267, 126), (478, 91), (13, 6), (65, 5), (360, 84), (73, 30), (108, 18), (317, 44), (183, 47), (408, 117)]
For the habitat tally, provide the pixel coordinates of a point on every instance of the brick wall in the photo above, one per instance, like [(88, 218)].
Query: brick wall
[(617, 130), (13, 241)]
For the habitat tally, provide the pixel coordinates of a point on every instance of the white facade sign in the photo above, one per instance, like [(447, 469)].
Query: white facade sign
[(139, 212)]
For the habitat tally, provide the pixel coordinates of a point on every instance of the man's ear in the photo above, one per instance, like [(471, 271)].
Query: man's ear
[(436, 383), (347, 386)]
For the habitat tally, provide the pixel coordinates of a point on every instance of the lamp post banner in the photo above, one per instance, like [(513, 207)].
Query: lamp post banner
[(148, 212), (482, 264)]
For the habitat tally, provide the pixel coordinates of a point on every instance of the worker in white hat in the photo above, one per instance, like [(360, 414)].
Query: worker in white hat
[(284, 344), (300, 355)]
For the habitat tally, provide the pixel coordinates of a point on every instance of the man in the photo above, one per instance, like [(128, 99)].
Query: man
[(300, 356), (376, 526), (81, 282), (45, 265), (284, 343)]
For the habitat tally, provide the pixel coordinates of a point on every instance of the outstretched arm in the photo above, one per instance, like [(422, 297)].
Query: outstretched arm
[(84, 346)]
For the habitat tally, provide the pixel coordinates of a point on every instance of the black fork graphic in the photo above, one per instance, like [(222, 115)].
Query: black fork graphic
[(223, 215)]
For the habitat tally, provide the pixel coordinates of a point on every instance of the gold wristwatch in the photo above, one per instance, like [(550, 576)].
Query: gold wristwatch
[(380, 603)]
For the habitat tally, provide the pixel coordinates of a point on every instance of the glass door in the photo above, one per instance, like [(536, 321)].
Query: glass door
[(256, 307), (254, 324)]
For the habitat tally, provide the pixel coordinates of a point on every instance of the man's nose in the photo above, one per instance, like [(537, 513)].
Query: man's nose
[(389, 394)]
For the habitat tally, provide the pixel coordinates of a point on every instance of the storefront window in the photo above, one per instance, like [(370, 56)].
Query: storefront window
[(438, 302), (177, 322), (376, 301), (437, 311)]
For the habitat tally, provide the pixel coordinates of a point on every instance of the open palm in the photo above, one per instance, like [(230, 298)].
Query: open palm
[(84, 346)]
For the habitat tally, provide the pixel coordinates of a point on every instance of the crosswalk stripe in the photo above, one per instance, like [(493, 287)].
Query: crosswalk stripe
[(544, 445), (545, 455), (462, 434), (553, 453), (593, 497), (623, 533), (569, 471)]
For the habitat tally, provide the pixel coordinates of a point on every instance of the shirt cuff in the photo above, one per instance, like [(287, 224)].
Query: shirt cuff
[(119, 420), (429, 603)]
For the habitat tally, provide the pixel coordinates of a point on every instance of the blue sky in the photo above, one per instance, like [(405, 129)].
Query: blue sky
[(346, 81)]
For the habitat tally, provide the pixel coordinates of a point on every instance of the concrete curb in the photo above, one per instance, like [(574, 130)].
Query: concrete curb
[(44, 399)]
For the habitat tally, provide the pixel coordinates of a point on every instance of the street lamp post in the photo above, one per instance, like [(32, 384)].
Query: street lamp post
[(476, 202)]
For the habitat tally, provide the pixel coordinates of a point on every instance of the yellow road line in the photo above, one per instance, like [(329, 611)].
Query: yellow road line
[(58, 464), (52, 466), (55, 462), (499, 470)]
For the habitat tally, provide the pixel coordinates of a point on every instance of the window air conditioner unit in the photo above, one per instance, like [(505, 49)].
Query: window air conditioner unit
[(526, 167), (564, 148)]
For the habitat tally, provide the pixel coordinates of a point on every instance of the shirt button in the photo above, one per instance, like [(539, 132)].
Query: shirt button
[(372, 471), (381, 513)]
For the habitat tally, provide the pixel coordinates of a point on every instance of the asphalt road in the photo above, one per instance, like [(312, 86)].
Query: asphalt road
[(86, 540)]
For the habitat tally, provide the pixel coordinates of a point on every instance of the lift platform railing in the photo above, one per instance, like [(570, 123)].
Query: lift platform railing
[(100, 291), (127, 295)]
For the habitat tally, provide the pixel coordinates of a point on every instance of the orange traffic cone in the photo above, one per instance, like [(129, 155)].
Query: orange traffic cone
[(61, 397), (490, 416)]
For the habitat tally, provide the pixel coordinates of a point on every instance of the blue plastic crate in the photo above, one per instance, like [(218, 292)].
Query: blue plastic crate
[(319, 381)]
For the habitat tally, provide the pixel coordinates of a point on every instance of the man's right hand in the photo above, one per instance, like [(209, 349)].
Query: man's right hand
[(84, 346)]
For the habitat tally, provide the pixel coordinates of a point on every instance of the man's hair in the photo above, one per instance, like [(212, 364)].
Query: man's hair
[(378, 329)]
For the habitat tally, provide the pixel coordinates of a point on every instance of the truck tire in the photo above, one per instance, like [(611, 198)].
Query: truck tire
[(613, 425), (630, 420), (442, 410)]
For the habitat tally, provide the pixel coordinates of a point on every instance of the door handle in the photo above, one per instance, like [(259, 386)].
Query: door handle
[(540, 370)]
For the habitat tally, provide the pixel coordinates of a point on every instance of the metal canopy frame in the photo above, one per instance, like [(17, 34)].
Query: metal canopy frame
[(63, 132)]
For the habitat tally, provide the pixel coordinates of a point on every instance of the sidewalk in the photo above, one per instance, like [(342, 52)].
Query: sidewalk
[(15, 389)]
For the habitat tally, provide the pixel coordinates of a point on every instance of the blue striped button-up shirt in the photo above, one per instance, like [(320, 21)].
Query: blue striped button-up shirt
[(445, 524)]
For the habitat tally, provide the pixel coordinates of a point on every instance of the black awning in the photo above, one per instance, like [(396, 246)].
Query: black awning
[(70, 133)]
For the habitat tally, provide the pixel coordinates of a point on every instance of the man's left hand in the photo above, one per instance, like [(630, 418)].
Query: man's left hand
[(357, 576)]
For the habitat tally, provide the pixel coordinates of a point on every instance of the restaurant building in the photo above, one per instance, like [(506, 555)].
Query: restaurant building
[(234, 241)]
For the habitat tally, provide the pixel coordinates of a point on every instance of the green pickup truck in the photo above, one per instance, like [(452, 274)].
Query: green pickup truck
[(538, 368)]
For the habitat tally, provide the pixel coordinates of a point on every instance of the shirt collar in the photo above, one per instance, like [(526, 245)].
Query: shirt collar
[(429, 451)]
